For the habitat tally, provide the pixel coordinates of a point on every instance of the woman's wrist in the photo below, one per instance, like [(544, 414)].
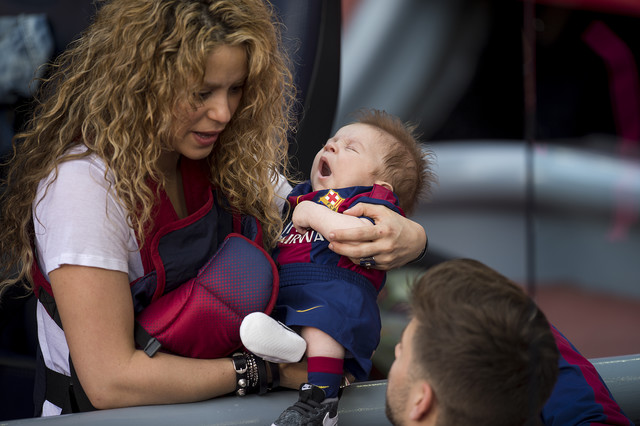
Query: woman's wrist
[(423, 253), (246, 373), (253, 374), (273, 375)]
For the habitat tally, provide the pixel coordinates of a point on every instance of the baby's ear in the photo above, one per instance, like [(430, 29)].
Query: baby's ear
[(384, 184)]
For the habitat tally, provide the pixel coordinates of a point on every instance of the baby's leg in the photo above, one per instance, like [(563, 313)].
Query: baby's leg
[(320, 343), (325, 358), (318, 399)]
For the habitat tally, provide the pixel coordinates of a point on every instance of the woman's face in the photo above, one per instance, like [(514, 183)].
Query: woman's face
[(217, 101)]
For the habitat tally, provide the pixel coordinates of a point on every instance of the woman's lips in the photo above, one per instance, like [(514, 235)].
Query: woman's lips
[(206, 138)]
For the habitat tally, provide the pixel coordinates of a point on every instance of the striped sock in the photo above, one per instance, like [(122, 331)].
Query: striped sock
[(326, 373)]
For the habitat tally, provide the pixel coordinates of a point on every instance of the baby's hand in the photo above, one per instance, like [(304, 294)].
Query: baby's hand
[(301, 231), (300, 217)]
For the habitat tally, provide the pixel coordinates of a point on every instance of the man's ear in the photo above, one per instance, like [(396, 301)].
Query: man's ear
[(384, 184), (423, 401)]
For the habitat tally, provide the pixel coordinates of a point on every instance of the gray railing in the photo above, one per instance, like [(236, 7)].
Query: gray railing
[(361, 404)]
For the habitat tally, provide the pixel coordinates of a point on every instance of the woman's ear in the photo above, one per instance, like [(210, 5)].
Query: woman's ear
[(384, 184), (423, 402)]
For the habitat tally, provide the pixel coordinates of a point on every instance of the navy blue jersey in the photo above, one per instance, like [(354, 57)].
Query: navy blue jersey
[(312, 247), (321, 289)]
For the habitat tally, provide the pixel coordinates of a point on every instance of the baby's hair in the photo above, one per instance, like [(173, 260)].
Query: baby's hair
[(407, 163)]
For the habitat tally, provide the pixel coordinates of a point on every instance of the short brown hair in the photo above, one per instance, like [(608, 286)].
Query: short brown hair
[(483, 345), (407, 164)]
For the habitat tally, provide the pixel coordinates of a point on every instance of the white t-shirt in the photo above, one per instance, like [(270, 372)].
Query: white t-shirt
[(79, 221)]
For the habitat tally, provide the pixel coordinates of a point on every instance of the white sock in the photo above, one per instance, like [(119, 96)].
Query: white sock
[(270, 339)]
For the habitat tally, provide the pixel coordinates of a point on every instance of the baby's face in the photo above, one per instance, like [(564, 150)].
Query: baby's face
[(350, 158)]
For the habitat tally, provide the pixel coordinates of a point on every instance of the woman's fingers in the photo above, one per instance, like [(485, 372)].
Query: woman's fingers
[(393, 241)]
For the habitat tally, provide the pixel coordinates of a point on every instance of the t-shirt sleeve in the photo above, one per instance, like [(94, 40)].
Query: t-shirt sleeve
[(282, 189), (78, 221)]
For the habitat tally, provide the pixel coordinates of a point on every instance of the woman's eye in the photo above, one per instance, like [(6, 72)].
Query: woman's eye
[(202, 95), (237, 89)]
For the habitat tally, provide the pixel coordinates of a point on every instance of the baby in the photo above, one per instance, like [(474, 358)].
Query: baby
[(329, 299)]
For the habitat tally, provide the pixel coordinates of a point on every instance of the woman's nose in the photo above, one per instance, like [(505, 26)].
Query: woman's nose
[(218, 109)]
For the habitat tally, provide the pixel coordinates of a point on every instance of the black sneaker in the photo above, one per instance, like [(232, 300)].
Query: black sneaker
[(312, 409)]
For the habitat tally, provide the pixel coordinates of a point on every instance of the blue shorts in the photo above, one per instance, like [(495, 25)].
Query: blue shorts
[(339, 302)]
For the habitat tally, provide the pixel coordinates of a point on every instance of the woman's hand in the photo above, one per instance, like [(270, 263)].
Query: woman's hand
[(394, 241)]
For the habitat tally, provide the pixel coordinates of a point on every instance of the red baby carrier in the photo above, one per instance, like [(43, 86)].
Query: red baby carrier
[(203, 275)]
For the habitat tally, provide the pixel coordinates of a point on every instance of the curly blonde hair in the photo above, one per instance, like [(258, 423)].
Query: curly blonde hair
[(115, 90)]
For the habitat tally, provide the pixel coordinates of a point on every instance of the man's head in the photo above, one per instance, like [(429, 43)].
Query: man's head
[(377, 148), (477, 351)]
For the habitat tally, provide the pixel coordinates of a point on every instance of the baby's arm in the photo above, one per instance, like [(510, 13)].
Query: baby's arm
[(308, 214)]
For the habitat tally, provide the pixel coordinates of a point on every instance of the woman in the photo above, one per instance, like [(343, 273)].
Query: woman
[(156, 101)]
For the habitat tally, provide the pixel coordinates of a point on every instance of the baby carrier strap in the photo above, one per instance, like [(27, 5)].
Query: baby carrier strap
[(64, 391), (173, 258), (247, 289), (239, 279), (175, 249)]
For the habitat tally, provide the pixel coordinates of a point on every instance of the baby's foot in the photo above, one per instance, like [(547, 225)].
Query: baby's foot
[(270, 339)]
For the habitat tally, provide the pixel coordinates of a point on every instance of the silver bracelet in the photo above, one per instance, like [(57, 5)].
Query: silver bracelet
[(247, 377)]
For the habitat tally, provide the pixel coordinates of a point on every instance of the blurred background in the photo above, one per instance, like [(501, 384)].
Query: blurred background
[(531, 108), (533, 113)]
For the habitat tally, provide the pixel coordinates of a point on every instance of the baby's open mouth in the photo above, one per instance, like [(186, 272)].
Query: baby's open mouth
[(325, 170)]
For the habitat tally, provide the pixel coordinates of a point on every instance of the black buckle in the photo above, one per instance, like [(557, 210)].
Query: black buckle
[(153, 346), (240, 365)]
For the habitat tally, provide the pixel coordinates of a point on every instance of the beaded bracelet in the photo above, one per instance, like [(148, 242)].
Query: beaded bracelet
[(251, 374), (246, 373)]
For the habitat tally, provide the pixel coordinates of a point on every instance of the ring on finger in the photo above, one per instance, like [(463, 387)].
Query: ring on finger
[(367, 262)]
